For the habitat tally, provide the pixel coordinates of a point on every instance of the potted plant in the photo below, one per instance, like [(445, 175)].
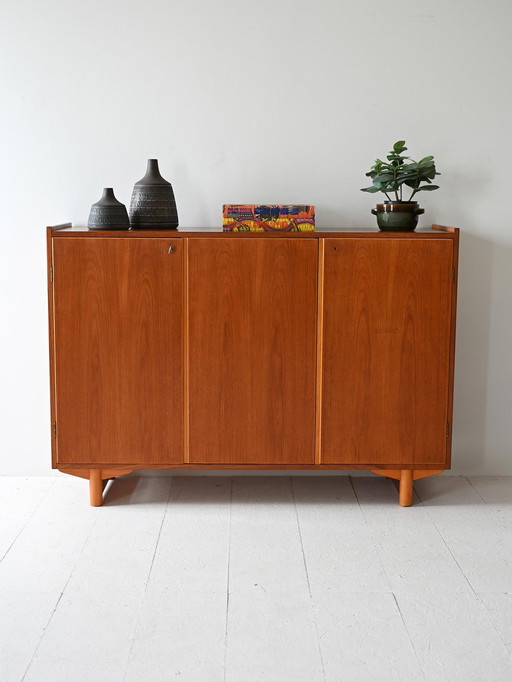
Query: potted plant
[(390, 177)]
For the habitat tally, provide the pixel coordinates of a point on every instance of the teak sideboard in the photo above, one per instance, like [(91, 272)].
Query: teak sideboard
[(203, 349)]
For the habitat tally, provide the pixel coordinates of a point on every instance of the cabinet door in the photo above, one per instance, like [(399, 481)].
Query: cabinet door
[(386, 351), (118, 350), (252, 321)]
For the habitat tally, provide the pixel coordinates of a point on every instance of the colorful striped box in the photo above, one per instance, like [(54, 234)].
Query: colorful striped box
[(268, 218)]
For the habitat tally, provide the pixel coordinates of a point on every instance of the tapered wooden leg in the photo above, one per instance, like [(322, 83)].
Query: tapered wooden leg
[(406, 479), (98, 479), (96, 487)]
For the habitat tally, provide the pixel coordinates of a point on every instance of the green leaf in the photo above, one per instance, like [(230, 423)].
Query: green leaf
[(425, 160), (399, 146), (372, 190), (427, 188), (411, 183), (429, 173)]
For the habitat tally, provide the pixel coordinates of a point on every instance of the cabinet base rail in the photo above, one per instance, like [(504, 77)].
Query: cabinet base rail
[(98, 479)]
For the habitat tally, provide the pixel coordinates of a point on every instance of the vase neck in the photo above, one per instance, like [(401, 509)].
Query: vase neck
[(108, 193), (152, 168), (152, 176)]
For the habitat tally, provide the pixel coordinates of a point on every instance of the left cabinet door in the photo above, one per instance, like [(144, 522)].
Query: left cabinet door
[(118, 350)]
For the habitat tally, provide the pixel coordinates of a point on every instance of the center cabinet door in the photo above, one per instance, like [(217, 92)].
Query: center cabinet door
[(252, 347)]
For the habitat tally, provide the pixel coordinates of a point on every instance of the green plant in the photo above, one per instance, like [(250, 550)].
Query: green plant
[(400, 170)]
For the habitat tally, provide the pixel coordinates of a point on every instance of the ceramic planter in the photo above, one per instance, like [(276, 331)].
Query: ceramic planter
[(398, 216)]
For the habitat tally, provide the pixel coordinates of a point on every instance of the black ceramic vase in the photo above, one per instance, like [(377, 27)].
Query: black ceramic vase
[(108, 213), (153, 205)]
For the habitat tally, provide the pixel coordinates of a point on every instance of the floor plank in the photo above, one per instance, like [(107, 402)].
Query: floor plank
[(499, 609), (265, 546), (19, 498), (271, 631), (181, 626), (478, 541), (193, 548), (179, 635), (23, 619), (338, 547), (46, 551), (90, 633), (272, 636), (453, 638), (496, 491), (412, 552), (363, 638)]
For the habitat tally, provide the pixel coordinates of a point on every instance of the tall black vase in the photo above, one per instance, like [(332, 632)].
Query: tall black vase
[(153, 205)]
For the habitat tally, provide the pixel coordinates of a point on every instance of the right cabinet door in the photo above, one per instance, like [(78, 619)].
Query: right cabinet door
[(386, 339)]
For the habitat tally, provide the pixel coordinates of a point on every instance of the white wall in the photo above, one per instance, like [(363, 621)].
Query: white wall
[(270, 101)]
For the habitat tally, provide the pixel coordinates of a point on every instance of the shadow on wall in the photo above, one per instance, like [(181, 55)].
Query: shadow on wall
[(472, 353), (498, 440)]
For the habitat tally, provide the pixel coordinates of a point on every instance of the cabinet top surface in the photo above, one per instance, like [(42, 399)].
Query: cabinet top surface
[(324, 232)]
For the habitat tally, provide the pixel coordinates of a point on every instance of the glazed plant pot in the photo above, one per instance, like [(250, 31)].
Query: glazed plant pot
[(398, 216)]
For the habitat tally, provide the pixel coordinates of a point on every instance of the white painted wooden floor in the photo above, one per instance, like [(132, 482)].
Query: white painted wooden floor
[(256, 578)]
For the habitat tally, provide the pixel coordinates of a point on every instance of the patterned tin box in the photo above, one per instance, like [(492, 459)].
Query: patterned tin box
[(268, 218)]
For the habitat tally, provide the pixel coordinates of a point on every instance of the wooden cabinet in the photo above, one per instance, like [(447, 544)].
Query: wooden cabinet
[(200, 349)]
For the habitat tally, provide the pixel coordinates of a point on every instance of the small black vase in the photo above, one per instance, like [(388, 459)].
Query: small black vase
[(153, 205), (108, 213)]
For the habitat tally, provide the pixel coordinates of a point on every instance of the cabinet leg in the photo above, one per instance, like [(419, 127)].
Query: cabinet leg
[(406, 480), (96, 487), (405, 477)]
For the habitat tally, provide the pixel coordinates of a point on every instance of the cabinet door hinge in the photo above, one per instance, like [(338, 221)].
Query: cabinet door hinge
[(54, 429), (453, 275), (447, 429), (51, 273)]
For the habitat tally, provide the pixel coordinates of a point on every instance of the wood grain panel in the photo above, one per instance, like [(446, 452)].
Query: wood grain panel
[(118, 308), (386, 350), (252, 340)]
